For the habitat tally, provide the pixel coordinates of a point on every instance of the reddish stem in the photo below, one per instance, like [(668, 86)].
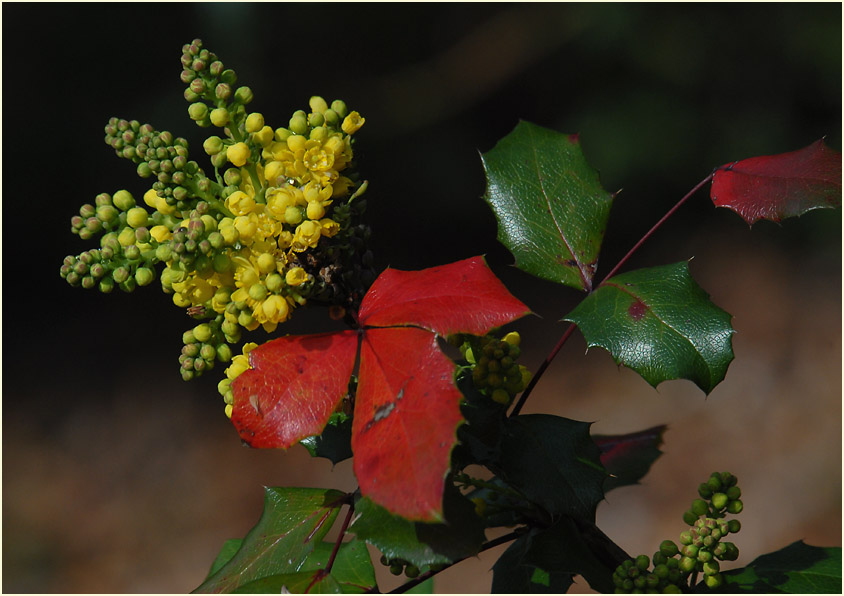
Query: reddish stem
[(324, 572), (523, 398)]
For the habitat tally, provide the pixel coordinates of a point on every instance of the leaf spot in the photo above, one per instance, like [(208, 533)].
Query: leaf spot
[(253, 401), (637, 310), (384, 411)]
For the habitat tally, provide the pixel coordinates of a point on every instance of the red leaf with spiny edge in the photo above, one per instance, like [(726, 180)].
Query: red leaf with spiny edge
[(407, 411), (461, 297), (294, 385), (775, 187)]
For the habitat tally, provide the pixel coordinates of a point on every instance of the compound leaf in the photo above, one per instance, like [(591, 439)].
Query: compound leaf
[(406, 415), (551, 209), (293, 387), (775, 187), (661, 324), (463, 297), (293, 523), (629, 457)]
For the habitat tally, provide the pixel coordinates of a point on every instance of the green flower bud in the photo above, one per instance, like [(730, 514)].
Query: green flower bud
[(243, 95), (207, 352), (316, 119), (640, 582), (672, 589), (339, 106), (643, 562), (129, 285), (500, 396), (735, 507), (689, 517), (686, 537), (137, 217), (719, 501), (120, 275), (144, 171), (668, 548), (733, 492), (714, 581), (714, 482), (163, 252), (213, 145), (734, 525), (106, 285), (132, 252), (728, 479), (123, 200), (298, 125), (690, 550), (711, 567), (202, 332), (198, 110), (704, 555), (699, 507), (224, 353), (144, 276), (411, 571), (396, 569), (219, 117), (659, 558), (687, 564), (188, 337), (661, 571), (331, 117)]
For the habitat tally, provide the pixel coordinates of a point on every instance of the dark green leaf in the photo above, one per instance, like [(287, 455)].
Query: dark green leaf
[(293, 523), (552, 211), (629, 457), (294, 583), (511, 574), (422, 543), (795, 569), (335, 442), (230, 547), (661, 324), (554, 463)]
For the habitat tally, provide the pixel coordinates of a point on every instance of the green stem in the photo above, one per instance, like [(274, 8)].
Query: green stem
[(523, 398)]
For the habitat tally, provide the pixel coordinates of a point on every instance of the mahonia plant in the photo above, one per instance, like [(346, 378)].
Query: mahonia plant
[(439, 447)]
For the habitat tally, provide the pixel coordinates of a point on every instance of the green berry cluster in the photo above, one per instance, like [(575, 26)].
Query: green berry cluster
[(700, 549), (398, 566), (493, 363)]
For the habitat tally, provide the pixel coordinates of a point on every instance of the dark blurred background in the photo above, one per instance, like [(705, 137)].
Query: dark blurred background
[(119, 477)]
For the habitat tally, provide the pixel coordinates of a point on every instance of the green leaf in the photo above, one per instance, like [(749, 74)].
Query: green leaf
[(422, 543), (335, 442), (293, 523), (661, 324), (511, 574), (426, 587), (554, 463), (629, 457), (552, 211), (352, 573), (796, 569), (230, 547)]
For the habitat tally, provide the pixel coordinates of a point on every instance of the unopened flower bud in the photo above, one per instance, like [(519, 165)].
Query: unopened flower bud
[(243, 95), (198, 110), (219, 117), (123, 200)]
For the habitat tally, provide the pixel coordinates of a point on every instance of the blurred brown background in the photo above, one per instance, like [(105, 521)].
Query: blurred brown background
[(119, 477)]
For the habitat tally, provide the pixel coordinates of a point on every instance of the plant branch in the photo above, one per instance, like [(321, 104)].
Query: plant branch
[(339, 541), (428, 574), (523, 398)]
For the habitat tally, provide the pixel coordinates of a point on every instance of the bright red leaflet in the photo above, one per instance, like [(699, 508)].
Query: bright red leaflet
[(778, 186), (407, 408)]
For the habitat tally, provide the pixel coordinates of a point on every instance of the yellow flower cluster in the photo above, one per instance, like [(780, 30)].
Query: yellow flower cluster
[(287, 180)]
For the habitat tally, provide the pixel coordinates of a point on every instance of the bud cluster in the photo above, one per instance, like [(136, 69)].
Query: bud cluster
[(493, 363), (276, 228), (700, 549), (398, 566)]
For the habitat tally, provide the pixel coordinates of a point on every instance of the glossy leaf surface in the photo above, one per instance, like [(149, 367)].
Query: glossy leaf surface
[(351, 573), (796, 569), (293, 523), (460, 535), (293, 387), (463, 297), (627, 458), (406, 418), (661, 324), (775, 187), (552, 211), (561, 453)]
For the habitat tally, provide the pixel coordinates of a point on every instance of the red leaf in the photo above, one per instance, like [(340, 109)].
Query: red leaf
[(462, 297), (778, 186), (629, 457), (406, 415), (294, 385)]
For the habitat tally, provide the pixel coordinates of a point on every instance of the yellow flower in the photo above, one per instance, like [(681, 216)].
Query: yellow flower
[(160, 233), (254, 122), (295, 276), (238, 154), (263, 137), (307, 235), (329, 227), (239, 203), (352, 123)]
